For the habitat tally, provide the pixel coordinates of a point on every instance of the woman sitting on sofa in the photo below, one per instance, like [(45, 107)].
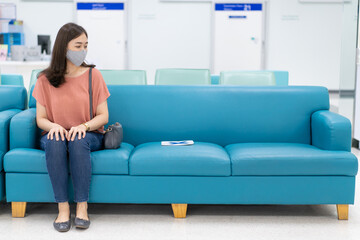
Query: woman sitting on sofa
[(63, 113)]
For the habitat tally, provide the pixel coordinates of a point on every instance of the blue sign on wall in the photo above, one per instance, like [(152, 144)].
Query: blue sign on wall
[(99, 6), (238, 7)]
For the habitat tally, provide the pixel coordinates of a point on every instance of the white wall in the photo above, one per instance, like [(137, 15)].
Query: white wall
[(348, 46), (169, 35), (304, 39), (43, 17)]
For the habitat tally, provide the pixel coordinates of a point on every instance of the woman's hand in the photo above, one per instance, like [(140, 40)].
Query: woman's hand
[(80, 130), (58, 130)]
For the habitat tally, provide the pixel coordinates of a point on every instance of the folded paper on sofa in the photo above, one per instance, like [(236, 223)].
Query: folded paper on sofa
[(177, 143)]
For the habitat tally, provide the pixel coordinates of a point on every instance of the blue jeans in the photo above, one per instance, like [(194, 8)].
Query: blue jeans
[(78, 152)]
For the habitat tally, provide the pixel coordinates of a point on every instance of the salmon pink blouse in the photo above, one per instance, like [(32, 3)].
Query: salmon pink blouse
[(68, 105)]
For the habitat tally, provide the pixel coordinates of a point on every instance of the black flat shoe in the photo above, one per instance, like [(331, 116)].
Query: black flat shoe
[(63, 226), (82, 223)]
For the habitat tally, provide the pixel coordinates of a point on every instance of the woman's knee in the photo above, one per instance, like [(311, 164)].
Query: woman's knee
[(78, 143), (52, 144)]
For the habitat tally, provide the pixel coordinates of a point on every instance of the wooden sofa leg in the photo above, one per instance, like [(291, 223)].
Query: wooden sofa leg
[(179, 210), (342, 211), (18, 209)]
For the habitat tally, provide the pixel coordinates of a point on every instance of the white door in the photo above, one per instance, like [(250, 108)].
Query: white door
[(105, 25), (238, 36)]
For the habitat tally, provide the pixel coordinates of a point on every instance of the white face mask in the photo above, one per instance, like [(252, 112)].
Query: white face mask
[(76, 57)]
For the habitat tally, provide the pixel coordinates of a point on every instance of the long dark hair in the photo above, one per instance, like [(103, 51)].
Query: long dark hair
[(57, 69)]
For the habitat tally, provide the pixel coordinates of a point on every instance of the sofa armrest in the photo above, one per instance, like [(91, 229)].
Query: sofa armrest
[(330, 131), (24, 132), (5, 117)]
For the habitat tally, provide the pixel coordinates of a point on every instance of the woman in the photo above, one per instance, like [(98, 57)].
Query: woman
[(63, 113)]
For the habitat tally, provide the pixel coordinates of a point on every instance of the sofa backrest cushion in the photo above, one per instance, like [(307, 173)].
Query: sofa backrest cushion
[(215, 113), (12, 97)]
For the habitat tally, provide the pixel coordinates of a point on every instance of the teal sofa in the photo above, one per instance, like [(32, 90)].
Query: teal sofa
[(253, 145), (12, 101)]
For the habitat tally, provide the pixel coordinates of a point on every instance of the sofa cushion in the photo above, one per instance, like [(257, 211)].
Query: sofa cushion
[(108, 161), (289, 159), (112, 161), (199, 159)]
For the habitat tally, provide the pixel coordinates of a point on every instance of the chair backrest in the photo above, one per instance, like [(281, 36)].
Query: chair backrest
[(33, 77), (178, 76), (12, 79), (247, 78), (33, 80), (124, 77), (219, 114), (12, 97), (215, 79), (282, 78), (31, 99), (111, 77)]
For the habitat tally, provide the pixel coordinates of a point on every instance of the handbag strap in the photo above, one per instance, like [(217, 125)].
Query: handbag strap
[(90, 93)]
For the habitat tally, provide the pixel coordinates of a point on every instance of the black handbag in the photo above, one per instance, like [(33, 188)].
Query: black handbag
[(114, 133)]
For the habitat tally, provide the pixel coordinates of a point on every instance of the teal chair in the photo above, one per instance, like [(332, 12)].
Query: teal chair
[(111, 77), (124, 77), (247, 78), (178, 76), (282, 78), (34, 75), (215, 79), (12, 79), (33, 78)]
